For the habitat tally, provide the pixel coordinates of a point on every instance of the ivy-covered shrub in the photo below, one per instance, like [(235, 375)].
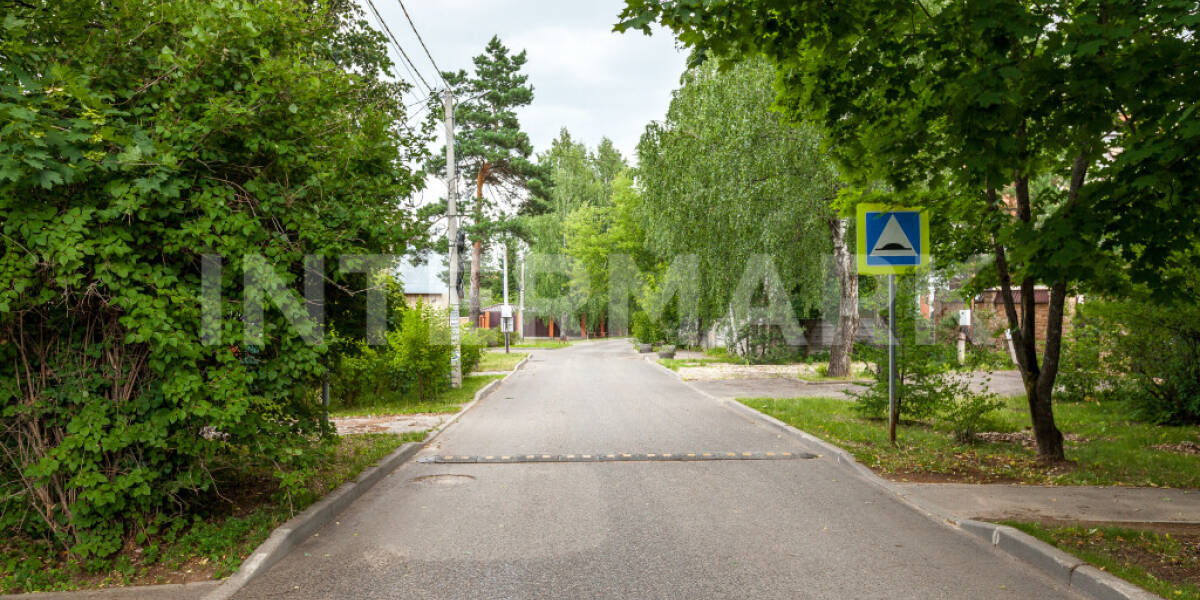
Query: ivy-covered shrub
[(135, 138)]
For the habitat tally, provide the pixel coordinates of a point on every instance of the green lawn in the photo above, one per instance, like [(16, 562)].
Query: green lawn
[(449, 401), (413, 436), (860, 376), (543, 344), (1111, 450), (224, 530), (1164, 564), (675, 364), (499, 361)]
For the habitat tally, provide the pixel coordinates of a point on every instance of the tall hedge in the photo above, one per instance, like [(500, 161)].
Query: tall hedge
[(135, 137)]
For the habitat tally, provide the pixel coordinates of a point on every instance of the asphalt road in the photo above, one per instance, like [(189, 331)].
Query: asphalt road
[(648, 529)]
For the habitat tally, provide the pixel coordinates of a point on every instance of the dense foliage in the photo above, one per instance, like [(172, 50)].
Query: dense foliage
[(929, 385), (725, 179), (136, 137), (1138, 349), (575, 225), (490, 148), (1059, 137)]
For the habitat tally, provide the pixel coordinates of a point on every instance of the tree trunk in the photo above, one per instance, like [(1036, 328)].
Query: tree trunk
[(477, 244), (841, 350), (1038, 381), (476, 254)]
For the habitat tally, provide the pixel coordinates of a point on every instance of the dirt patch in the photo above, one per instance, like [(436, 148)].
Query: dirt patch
[(719, 371), (397, 424), (1184, 447), (1182, 565), (965, 476), (1024, 438)]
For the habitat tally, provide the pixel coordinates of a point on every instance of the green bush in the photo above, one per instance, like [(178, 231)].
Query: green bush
[(473, 343), (421, 348), (929, 387), (369, 375), (967, 413), (490, 338), (129, 151), (1083, 373), (924, 386), (1157, 347), (644, 329)]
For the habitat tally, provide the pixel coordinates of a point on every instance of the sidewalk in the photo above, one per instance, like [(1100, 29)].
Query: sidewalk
[(995, 502), (1004, 383)]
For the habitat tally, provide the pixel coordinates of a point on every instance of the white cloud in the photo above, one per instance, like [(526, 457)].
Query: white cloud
[(586, 78)]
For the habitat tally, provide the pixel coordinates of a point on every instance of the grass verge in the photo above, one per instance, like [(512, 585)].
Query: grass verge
[(447, 402), (209, 544), (1166, 564), (543, 344), (675, 364), (499, 361), (1104, 447)]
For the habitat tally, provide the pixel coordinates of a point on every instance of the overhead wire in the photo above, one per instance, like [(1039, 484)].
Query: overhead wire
[(413, 25), (414, 71)]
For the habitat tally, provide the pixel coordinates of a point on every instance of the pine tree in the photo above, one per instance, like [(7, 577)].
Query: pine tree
[(490, 147)]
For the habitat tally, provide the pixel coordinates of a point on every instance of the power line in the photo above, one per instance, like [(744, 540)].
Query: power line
[(424, 100), (415, 71), (436, 69)]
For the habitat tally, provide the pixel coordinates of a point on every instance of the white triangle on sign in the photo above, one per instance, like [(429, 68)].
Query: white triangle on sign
[(893, 242)]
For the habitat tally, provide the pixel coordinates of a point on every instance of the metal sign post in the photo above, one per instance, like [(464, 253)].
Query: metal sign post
[(893, 409), (892, 240), (506, 323)]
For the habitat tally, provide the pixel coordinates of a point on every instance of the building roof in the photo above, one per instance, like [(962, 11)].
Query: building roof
[(424, 278)]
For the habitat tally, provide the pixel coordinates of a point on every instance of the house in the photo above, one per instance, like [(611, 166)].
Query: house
[(423, 282)]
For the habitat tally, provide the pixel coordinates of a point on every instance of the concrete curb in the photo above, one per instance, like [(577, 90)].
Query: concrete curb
[(480, 395), (300, 527), (133, 592), (1060, 566), (1064, 568), (284, 538), (288, 535)]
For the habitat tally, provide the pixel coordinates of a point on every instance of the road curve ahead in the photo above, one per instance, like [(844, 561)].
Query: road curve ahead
[(519, 526)]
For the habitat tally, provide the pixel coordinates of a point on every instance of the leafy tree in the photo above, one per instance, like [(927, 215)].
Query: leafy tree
[(490, 147), (725, 178), (595, 234), (577, 181), (1057, 136), (136, 137)]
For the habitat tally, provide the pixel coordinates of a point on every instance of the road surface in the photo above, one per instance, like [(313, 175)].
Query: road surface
[(791, 528)]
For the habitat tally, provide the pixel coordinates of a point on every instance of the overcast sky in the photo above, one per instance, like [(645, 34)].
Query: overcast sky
[(585, 77)]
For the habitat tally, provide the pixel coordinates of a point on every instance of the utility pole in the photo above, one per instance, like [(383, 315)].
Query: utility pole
[(452, 238)]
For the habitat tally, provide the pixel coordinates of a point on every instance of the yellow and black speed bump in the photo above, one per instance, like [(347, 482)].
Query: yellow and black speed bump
[(613, 457)]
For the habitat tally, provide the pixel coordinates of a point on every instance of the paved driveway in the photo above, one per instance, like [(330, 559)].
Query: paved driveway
[(790, 528)]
